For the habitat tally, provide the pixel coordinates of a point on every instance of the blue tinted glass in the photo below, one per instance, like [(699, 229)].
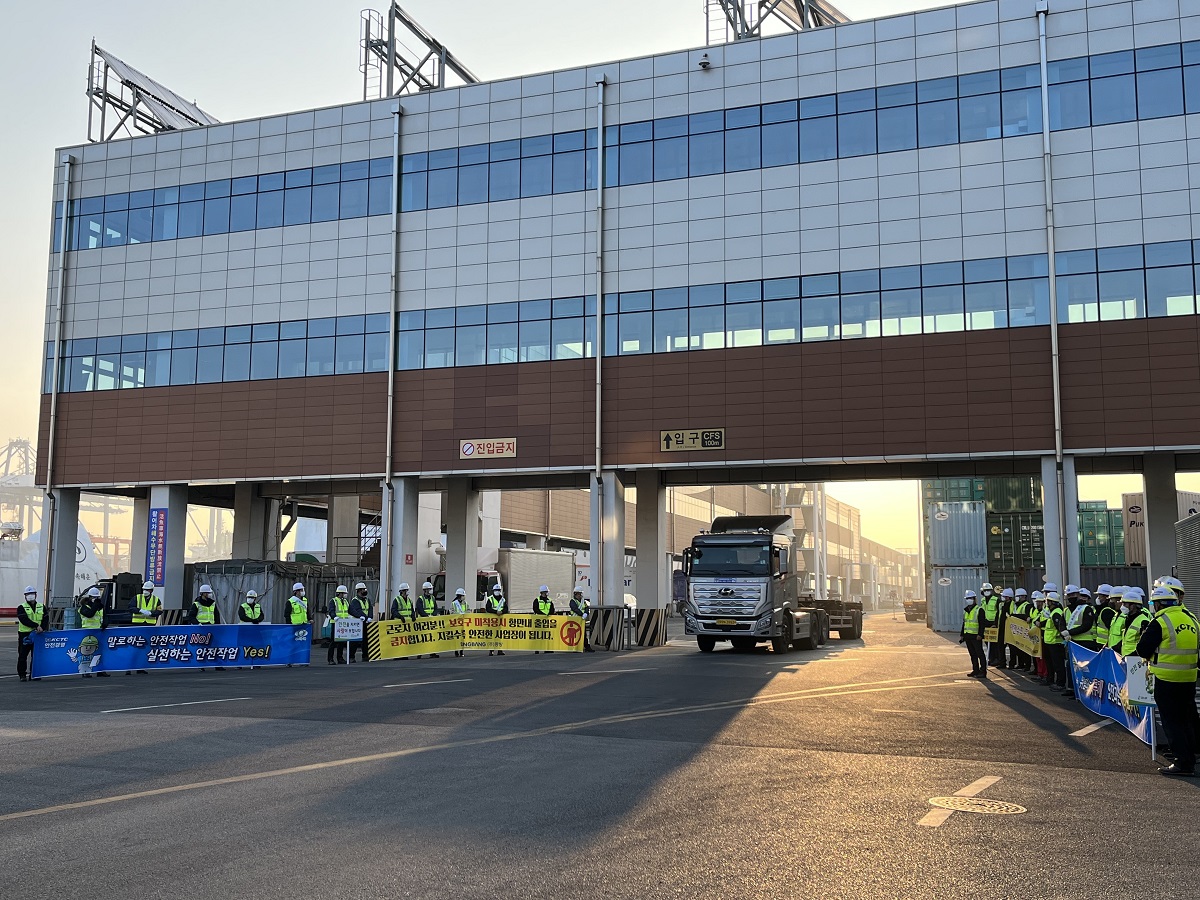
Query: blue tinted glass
[(670, 298), (439, 318), (742, 117), (780, 144), (569, 169), (414, 320), (297, 206), (897, 128), (781, 288), (1069, 106), (325, 200), (1075, 262), (108, 344), (856, 134), (96, 204), (860, 281), (856, 101), (900, 277), (470, 345), (673, 126), (612, 166), (137, 200), (292, 358), (1110, 258), (243, 212), (477, 153), (443, 159), (297, 178), (506, 150), (637, 131), (327, 174), (114, 202), (743, 291), (535, 341), (131, 343), (237, 362), (937, 123), (270, 209), (706, 294), (289, 330), (568, 140), (351, 171), (1113, 100), (498, 313), (979, 117), (1063, 70), (742, 150), (270, 182), (895, 95), (470, 315), (818, 139), (1160, 93), (1021, 112), (1020, 77), (320, 356), (1119, 63), (700, 123), (813, 107), (267, 331), (984, 270), (161, 196), (350, 325), (1191, 80), (379, 196), (349, 358), (978, 83), (210, 337), (216, 216), (1170, 291), (937, 89), (935, 274), (787, 111), (376, 322), (537, 176), (321, 327), (141, 225), (410, 348), (116, 228), (381, 166), (635, 333), (504, 180), (473, 184), (376, 351), (264, 360), (567, 307), (818, 285), (216, 189), (190, 192), (1032, 266), (354, 199), (637, 163), (191, 221), (158, 368), (635, 301), (159, 340), (183, 366), (1176, 253), (670, 158), (185, 337), (443, 188), (237, 334), (1163, 57), (706, 154)]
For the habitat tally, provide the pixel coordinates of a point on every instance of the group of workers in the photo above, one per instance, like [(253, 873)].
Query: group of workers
[(1160, 629)]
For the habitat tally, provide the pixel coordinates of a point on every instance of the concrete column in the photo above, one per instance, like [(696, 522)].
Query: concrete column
[(462, 538), (1162, 511), (255, 524), (343, 536), (169, 500), (137, 546), (1055, 564), (400, 536), (651, 583), (607, 551), (1071, 501), (58, 548)]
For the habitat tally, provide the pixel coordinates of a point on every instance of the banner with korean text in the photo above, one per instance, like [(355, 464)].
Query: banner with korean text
[(85, 651), (1102, 683), (397, 638), (1025, 637)]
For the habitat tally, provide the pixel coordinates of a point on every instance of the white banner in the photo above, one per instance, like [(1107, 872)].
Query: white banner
[(1136, 681), (347, 629)]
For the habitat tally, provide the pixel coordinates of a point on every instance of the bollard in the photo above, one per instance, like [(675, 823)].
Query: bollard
[(651, 627)]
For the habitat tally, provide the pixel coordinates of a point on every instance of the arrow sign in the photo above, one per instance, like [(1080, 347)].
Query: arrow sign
[(666, 438)]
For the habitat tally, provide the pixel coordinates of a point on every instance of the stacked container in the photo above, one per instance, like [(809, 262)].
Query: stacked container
[(957, 557)]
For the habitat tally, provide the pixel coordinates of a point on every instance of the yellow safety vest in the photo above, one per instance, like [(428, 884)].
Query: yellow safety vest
[(1050, 632), (991, 609), (1101, 630), (971, 620), (251, 610), (495, 604), (404, 606), (34, 611), (143, 602), (341, 607), (540, 606), (1132, 632), (461, 607), (428, 605), (1176, 658), (94, 621), (206, 615), (297, 610)]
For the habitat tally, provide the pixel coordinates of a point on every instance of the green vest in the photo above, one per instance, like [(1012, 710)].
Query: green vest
[(206, 615), (1116, 630), (94, 621), (297, 610), (1050, 632), (1176, 658), (495, 604), (971, 620), (251, 610), (460, 606), (35, 611), (341, 607), (991, 609), (142, 602), (1102, 627), (404, 606), (541, 606), (1132, 631), (1020, 609), (428, 605)]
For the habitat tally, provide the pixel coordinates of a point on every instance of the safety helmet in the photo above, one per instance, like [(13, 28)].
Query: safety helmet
[(1170, 581), (987, 586), (30, 589), (1134, 596), (1007, 592), (147, 585), (1163, 594), (297, 587), (427, 586), (1050, 587), (496, 589), (1071, 589), (969, 595), (1038, 595), (460, 593), (341, 589), (361, 586), (543, 589), (206, 589), (1105, 589), (1021, 592), (251, 595), (93, 592), (403, 586), (578, 589)]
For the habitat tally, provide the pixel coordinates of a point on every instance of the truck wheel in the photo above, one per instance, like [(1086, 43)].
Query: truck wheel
[(743, 643), (858, 617), (705, 643), (822, 630), (783, 643), (809, 641)]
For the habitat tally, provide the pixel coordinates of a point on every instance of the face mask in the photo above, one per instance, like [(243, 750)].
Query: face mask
[(1124, 610)]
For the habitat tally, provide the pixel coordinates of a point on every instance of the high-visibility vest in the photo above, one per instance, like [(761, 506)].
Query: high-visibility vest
[(1132, 632), (428, 605), (1077, 615), (341, 607), (297, 610), (364, 603), (495, 604), (34, 611), (251, 610), (96, 620), (991, 609), (1176, 658), (1051, 634), (1116, 630), (541, 605), (206, 615), (971, 621), (1020, 609), (1103, 625), (460, 606), (143, 602), (404, 606), (582, 607)]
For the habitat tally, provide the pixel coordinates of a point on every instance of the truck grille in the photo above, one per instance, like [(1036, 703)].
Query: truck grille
[(726, 600)]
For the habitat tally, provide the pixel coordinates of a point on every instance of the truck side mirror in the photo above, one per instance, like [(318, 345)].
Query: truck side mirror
[(688, 555), (783, 561)]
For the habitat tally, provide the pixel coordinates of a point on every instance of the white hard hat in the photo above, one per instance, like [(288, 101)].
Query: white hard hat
[(1084, 592), (578, 589), (987, 586), (1050, 587), (206, 589), (1135, 595), (341, 589), (403, 586), (1038, 595), (969, 595), (1072, 589), (544, 587), (1105, 589), (361, 586), (93, 592), (1138, 590), (1021, 592), (1007, 592), (1161, 593), (460, 593), (297, 587), (251, 595), (496, 589), (30, 589), (147, 585), (427, 586), (1170, 581)]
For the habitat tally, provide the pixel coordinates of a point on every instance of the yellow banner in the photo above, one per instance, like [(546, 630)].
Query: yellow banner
[(1025, 637), (991, 635), (445, 634)]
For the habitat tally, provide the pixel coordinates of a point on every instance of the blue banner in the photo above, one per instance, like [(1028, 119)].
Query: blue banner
[(1102, 685), (85, 651)]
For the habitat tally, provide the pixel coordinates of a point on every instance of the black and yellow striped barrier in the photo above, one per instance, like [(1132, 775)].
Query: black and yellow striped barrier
[(371, 636), (608, 627), (651, 627)]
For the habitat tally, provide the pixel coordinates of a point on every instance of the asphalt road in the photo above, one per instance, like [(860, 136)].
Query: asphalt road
[(645, 774)]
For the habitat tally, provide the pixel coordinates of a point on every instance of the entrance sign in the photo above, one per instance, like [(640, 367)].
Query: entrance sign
[(693, 439)]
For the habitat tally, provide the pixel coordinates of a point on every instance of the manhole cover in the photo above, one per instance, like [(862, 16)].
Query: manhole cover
[(977, 805)]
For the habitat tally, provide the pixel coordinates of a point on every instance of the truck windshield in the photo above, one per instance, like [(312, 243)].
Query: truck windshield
[(717, 562)]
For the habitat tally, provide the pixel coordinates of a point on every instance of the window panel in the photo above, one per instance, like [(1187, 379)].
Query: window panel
[(470, 345), (1173, 253), (353, 199), (191, 219), (569, 171), (243, 212), (986, 305), (943, 309), (706, 328), (856, 134), (210, 364), (270, 209), (1113, 100), (107, 365), (141, 225), (744, 325), (502, 343), (376, 352), (325, 201), (897, 128), (158, 368), (133, 370), (1077, 298), (410, 350), (237, 363), (535, 341), (1063, 70), (1191, 84), (568, 338), (1163, 57), (781, 321), (937, 123), (473, 184), (216, 216), (901, 312), (742, 149), (379, 196), (670, 330), (1028, 302), (1069, 106), (818, 138), (264, 360), (441, 188), (321, 353), (635, 333), (292, 358), (979, 117), (348, 358), (1105, 64), (670, 158), (821, 318), (504, 180), (1170, 291), (637, 163), (116, 227), (1160, 94), (780, 144), (1122, 295), (81, 373), (297, 206), (706, 154), (183, 366), (537, 176)]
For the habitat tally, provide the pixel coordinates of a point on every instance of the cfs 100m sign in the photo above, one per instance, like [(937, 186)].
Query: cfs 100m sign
[(496, 448), (692, 439)]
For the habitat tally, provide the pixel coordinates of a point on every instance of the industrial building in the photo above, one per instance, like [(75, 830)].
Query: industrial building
[(944, 244)]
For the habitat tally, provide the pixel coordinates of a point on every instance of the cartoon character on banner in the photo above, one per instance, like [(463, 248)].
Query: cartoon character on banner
[(86, 655)]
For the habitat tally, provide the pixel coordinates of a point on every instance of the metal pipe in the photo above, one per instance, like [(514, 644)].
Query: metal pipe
[(387, 521), (60, 303), (598, 341), (391, 50), (1055, 363)]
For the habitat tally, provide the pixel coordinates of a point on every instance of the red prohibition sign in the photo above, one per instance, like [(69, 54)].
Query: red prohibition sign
[(570, 632)]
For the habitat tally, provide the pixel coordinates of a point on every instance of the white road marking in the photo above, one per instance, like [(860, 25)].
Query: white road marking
[(419, 683), (1090, 728), (936, 817), (608, 671), (166, 705)]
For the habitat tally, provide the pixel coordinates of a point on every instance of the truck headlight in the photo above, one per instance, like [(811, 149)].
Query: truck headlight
[(764, 624)]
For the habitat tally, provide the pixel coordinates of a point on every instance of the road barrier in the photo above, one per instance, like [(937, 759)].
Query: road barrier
[(651, 627), (608, 627)]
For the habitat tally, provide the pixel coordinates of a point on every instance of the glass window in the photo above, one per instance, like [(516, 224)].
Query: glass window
[(159, 340), (1075, 262), (742, 149), (264, 360), (348, 325), (818, 138), (706, 328), (133, 370), (1164, 57), (210, 337), (569, 171), (900, 277), (780, 144), (1062, 70), (210, 363), (297, 206), (441, 188), (185, 337), (815, 107), (270, 209), (116, 227), (568, 307), (1160, 93), (79, 373), (979, 117), (670, 330), (535, 341), (637, 163), (410, 162), (901, 312), (376, 352), (537, 176), (979, 83), (325, 199), (1069, 106), (436, 318), (568, 338), (191, 219), (1191, 81), (635, 333), (183, 366), (1170, 291), (706, 154), (781, 321), (574, 140), (237, 334), (237, 363), (291, 330), (744, 325), (321, 353), (821, 318), (166, 222), (354, 199), (141, 225), (1028, 302), (327, 174), (379, 196), (106, 371), (1119, 63), (216, 216), (1113, 100), (1021, 112), (1128, 257), (472, 184), (348, 349), (1173, 253), (784, 111), (1122, 295), (986, 305), (937, 89), (670, 158), (856, 134), (292, 358), (781, 288), (860, 315), (897, 128), (937, 123), (443, 159), (470, 345), (243, 212), (1033, 265), (943, 309), (502, 343), (274, 181), (504, 180), (158, 368), (818, 285), (534, 309), (410, 350), (896, 95), (297, 178)]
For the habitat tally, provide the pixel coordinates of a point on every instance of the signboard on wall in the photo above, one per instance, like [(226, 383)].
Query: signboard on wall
[(693, 439), (156, 547), (496, 448)]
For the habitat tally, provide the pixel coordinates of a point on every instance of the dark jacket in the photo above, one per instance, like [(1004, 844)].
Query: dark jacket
[(395, 613), (578, 607), (420, 603), (24, 618), (242, 617), (1086, 621), (90, 606), (535, 606), (487, 606), (192, 613), (361, 608)]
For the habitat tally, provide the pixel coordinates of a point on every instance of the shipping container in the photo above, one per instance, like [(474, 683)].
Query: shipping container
[(1092, 505), (1016, 493), (946, 588), (953, 490), (1187, 545), (1015, 541), (1134, 516), (957, 533)]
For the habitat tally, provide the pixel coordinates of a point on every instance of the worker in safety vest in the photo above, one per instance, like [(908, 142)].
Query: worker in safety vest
[(1007, 599), (460, 606), (1081, 626), (989, 610), (250, 612), (1175, 585), (1133, 619), (145, 607), (91, 609), (1020, 610), (579, 607), (31, 619), (972, 636), (361, 607), (543, 606), (1170, 645), (338, 608), (204, 609), (402, 605), (427, 607), (496, 605), (1054, 627), (1037, 613), (297, 606)]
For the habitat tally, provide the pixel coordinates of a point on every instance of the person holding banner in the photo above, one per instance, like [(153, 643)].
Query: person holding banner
[(543, 606), (427, 608), (360, 608), (460, 606), (338, 608), (91, 609), (1170, 645), (972, 636), (402, 608), (1037, 620), (204, 610), (1054, 629), (496, 605), (1133, 620)]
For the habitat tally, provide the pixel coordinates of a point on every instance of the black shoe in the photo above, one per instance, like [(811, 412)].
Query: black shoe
[(491, 652), (434, 656), (219, 669), (972, 674), (87, 676), (1070, 696), (982, 676), (1173, 771), (329, 662), (588, 650), (142, 672), (537, 652), (24, 678), (102, 675), (499, 652)]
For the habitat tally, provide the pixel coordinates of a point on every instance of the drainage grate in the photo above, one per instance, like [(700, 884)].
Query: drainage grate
[(977, 805)]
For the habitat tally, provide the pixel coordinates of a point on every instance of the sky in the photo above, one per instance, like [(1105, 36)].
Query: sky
[(251, 58)]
